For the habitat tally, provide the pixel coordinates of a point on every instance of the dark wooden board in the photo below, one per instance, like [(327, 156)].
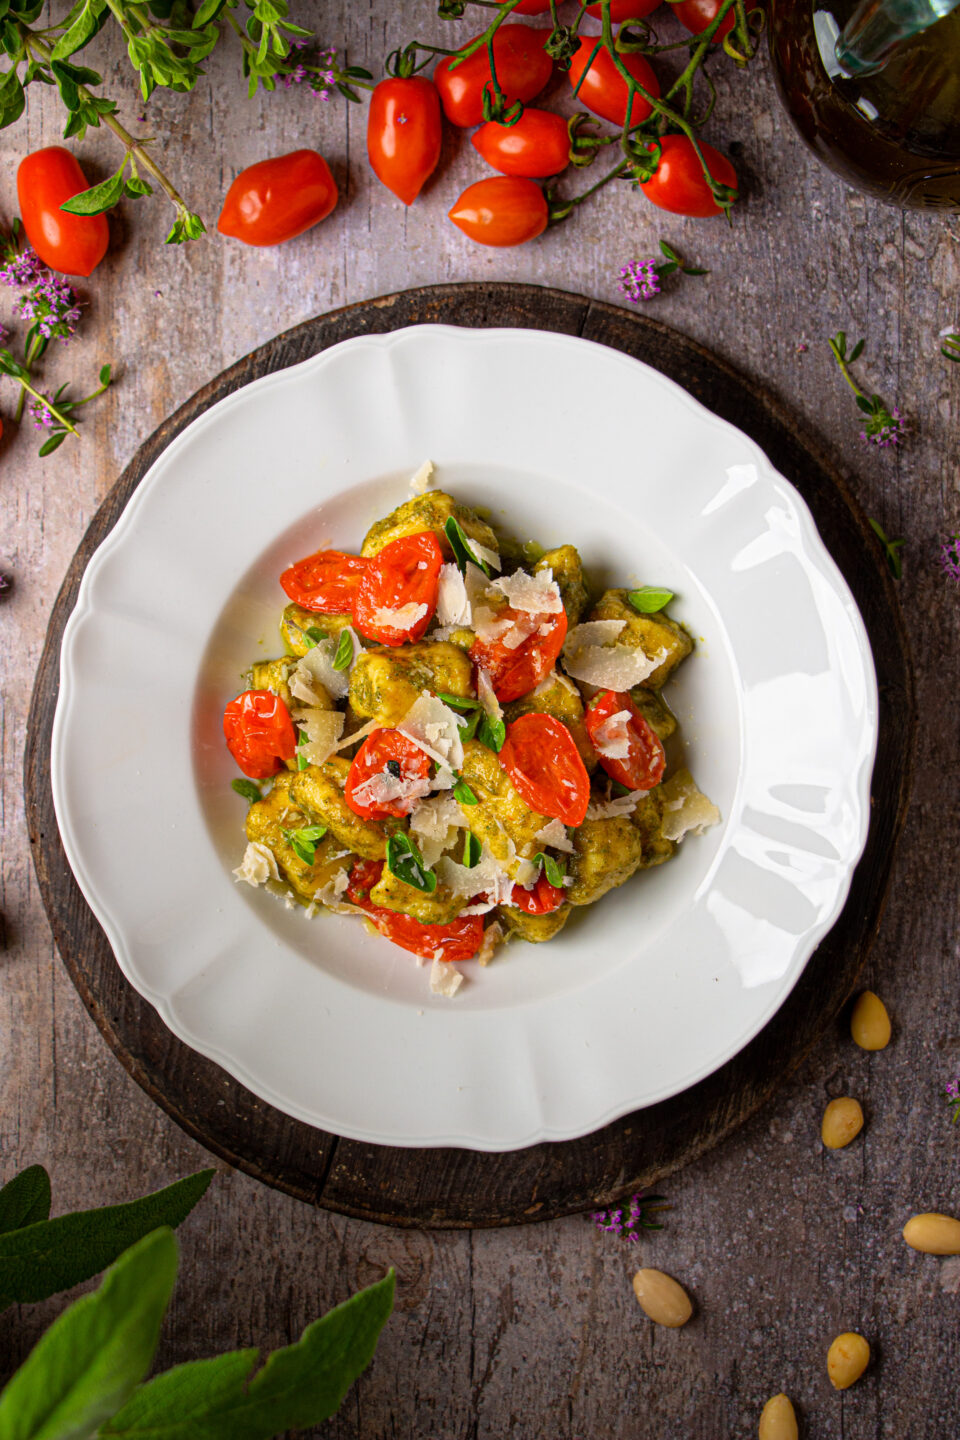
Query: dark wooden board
[(458, 1188)]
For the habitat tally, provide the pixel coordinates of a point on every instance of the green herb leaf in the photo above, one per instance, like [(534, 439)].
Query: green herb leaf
[(891, 550), (53, 1255), (405, 861), (491, 733), (304, 841), (458, 702), (99, 197), (648, 599), (468, 727), (472, 850), (460, 546), (669, 251), (462, 793), (105, 375), (25, 1200), (248, 789), (856, 352), (617, 789), (54, 443), (87, 1365), (315, 634), (299, 1386), (551, 868), (344, 656)]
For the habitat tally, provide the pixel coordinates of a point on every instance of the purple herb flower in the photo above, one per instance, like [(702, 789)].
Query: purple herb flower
[(639, 280), (42, 418), (628, 1224), (884, 427), (52, 306), (6, 585), (4, 334), (318, 72), (950, 561), (23, 267)]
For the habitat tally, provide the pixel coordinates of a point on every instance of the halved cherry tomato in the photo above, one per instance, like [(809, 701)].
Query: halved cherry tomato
[(643, 765), (404, 573), (678, 183), (385, 752), (621, 10), (404, 134), (277, 199), (456, 940), (696, 15), (504, 210), (259, 732), (326, 582), (73, 244), (523, 68), (516, 672), (536, 146), (540, 899), (544, 766), (604, 90)]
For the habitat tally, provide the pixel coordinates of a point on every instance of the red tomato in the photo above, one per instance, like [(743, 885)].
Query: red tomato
[(540, 899), (504, 210), (363, 876), (523, 68), (696, 15), (621, 10), (404, 134), (405, 572), (643, 765), (678, 182), (385, 752), (74, 244), (259, 732), (604, 90), (516, 672), (545, 769), (457, 940), (326, 582), (536, 146), (277, 199)]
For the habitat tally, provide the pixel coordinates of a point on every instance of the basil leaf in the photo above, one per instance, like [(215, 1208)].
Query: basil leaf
[(472, 850), (468, 728), (460, 546), (92, 1358), (299, 1386), (462, 793), (314, 634), (551, 868), (344, 656), (25, 1199), (648, 599), (53, 1255), (405, 861), (247, 788), (491, 733), (458, 702), (304, 841)]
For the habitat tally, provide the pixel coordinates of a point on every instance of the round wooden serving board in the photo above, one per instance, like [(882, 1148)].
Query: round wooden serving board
[(459, 1188)]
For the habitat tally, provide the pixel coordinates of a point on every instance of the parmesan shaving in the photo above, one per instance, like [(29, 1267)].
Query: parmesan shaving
[(323, 729), (433, 727), (492, 937), (489, 557), (591, 654), (556, 678), (405, 617), (420, 482), (445, 979), (453, 606), (317, 665), (686, 809), (533, 594), (487, 877), (382, 788), (433, 818), (611, 737), (487, 696), (621, 805), (555, 835), (258, 865), (357, 735)]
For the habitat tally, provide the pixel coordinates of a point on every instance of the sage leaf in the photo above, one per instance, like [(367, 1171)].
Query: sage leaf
[(301, 1385), (86, 1366), (53, 1255), (649, 599), (25, 1199)]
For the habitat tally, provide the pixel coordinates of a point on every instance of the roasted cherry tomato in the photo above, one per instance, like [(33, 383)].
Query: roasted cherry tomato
[(387, 753), (678, 183), (457, 940), (523, 68), (277, 199), (401, 578), (504, 210), (74, 244), (326, 582), (643, 765), (604, 90), (404, 134), (544, 766), (696, 15), (516, 672), (540, 899), (536, 146), (259, 732), (621, 10), (363, 876)]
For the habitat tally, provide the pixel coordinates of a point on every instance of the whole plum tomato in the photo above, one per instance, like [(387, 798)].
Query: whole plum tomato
[(696, 15), (678, 183), (537, 145), (523, 68), (504, 210), (277, 199), (604, 90), (621, 10), (404, 134), (73, 244)]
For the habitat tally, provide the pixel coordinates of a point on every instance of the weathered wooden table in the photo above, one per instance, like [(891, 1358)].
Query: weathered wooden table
[(534, 1331)]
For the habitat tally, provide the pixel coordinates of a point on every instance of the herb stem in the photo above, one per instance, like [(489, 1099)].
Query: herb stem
[(47, 404)]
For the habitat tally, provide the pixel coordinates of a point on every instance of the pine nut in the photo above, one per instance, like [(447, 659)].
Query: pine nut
[(847, 1358), (779, 1420), (933, 1234), (842, 1120), (663, 1299), (870, 1023)]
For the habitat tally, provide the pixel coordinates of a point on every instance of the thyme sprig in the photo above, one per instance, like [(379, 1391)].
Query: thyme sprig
[(891, 549), (882, 426)]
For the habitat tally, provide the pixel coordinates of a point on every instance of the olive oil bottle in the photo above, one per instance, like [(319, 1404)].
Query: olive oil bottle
[(893, 131)]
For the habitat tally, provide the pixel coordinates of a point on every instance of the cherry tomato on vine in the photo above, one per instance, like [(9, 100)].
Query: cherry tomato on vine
[(456, 940), (404, 134), (621, 10), (326, 582), (504, 210), (678, 183), (393, 755), (259, 733), (536, 146), (523, 68), (518, 671), (73, 244), (545, 768), (604, 90), (641, 768), (397, 594), (696, 15), (279, 198), (529, 7), (540, 899)]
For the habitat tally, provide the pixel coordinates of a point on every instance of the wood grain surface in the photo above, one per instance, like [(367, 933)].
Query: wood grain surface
[(534, 1331)]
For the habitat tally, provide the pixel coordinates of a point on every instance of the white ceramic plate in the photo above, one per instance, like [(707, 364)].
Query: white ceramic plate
[(640, 996)]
